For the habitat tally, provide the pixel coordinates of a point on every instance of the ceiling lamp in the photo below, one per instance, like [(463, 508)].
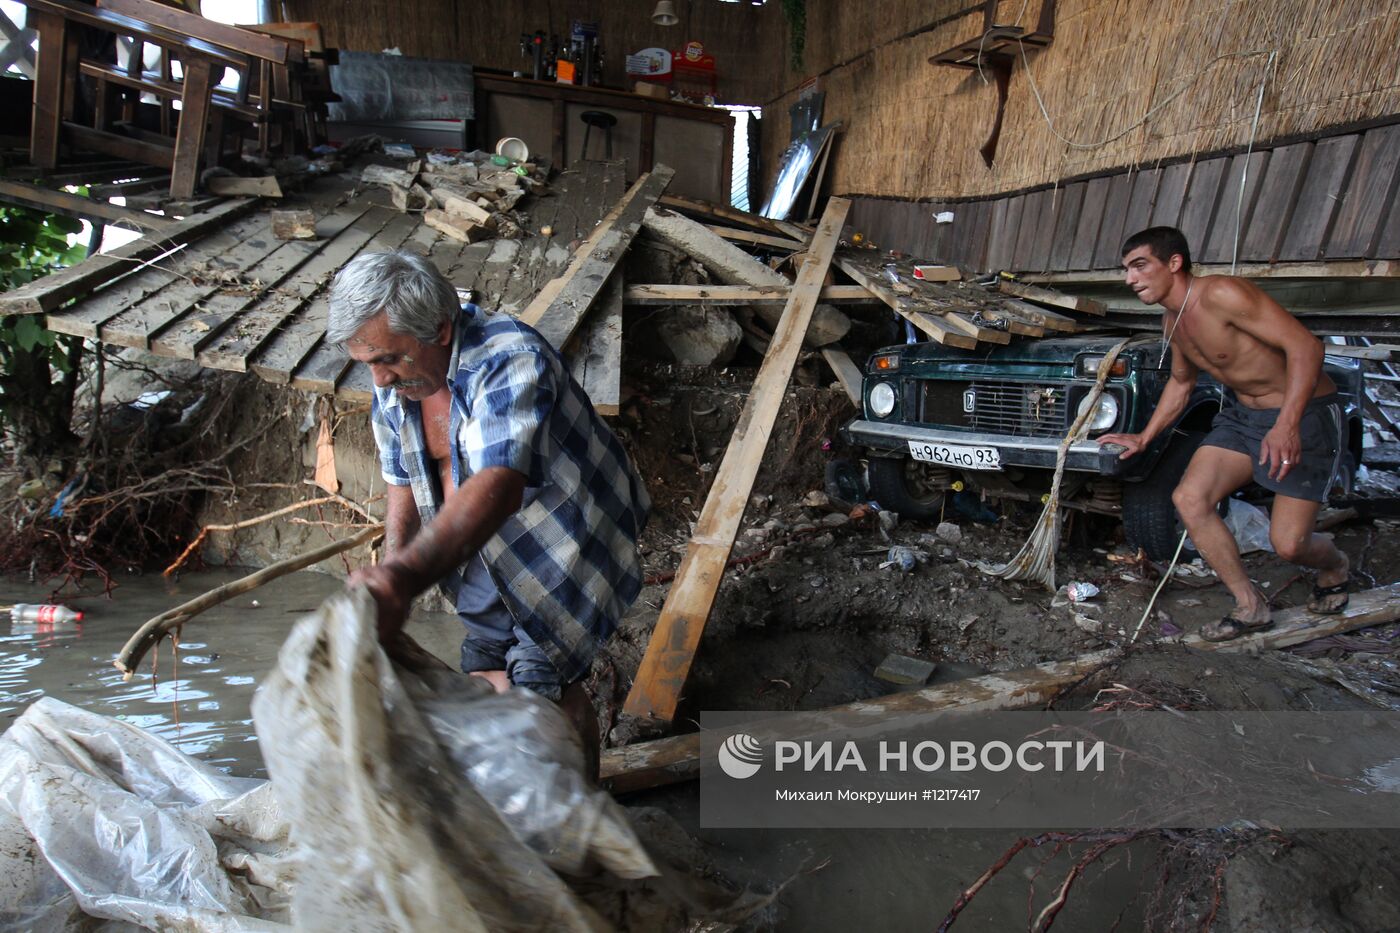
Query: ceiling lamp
[(665, 13)]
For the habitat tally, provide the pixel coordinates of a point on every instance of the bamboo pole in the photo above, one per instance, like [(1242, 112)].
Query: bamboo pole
[(129, 658)]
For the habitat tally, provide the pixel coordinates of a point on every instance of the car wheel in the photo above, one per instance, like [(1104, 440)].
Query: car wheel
[(1149, 517), (906, 486)]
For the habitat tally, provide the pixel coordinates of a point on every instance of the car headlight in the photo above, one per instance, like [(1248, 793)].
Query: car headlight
[(1106, 415), (882, 399), (1087, 367)]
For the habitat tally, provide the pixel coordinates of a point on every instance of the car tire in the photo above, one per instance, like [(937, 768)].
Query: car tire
[(899, 484), (1150, 521)]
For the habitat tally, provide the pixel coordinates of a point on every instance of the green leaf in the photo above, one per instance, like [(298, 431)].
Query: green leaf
[(28, 332)]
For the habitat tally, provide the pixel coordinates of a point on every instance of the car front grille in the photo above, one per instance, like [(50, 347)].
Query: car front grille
[(1020, 409)]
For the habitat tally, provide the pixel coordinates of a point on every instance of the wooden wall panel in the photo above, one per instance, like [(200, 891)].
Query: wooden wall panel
[(1368, 197), (1171, 192), (1234, 211), (1202, 201), (1274, 207), (1066, 225), (1108, 251), (1321, 192), (1086, 233)]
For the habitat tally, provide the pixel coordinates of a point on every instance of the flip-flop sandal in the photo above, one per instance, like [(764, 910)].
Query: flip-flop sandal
[(1230, 628), (1322, 592)]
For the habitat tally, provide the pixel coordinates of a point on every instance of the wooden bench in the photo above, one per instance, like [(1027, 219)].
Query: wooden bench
[(198, 44)]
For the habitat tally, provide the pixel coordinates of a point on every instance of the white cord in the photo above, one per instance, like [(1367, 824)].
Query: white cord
[(1244, 169), (1171, 568), (1145, 117)]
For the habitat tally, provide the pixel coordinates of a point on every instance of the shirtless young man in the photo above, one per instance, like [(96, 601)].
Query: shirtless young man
[(1283, 428)]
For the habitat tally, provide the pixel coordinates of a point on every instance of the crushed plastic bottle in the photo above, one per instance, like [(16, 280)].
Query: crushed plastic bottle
[(28, 612), (1078, 592)]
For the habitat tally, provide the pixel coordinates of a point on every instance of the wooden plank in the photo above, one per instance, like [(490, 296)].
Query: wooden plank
[(733, 215), (1202, 202), (1140, 204), (1002, 248), (596, 363), (666, 663), (934, 327), (1234, 213), (1049, 296), (1108, 245), (321, 369), (737, 294), (1274, 206), (1026, 232), (561, 304), (267, 315), (760, 239), (1171, 193), (1326, 180), (86, 317), (62, 202), (1368, 197), (290, 345), (1388, 241), (677, 758), (974, 330), (1050, 208), (51, 291), (1086, 228), (1066, 226), (262, 186), (1046, 318), (183, 339), (137, 324), (974, 251), (847, 372)]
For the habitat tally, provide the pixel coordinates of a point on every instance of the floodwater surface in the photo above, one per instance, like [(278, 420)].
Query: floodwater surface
[(199, 698)]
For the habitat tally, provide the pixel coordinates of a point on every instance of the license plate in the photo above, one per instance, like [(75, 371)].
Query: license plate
[(964, 458)]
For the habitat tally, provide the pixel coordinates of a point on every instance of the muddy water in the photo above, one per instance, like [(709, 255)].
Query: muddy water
[(198, 703), (886, 880)]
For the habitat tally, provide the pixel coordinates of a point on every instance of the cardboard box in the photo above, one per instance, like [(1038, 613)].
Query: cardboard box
[(649, 89)]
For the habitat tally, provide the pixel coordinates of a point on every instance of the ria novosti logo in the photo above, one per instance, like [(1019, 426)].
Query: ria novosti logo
[(740, 756)]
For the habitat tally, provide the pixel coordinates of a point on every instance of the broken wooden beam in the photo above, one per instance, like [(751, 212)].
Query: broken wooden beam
[(458, 228), (733, 266), (596, 359), (294, 225), (733, 215), (260, 186), (847, 372), (384, 175), (758, 239), (559, 307), (671, 649), (455, 202), (50, 201), (935, 327), (677, 758), (776, 295), (1049, 296)]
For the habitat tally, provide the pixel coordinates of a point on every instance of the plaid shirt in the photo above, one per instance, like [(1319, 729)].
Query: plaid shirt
[(566, 564)]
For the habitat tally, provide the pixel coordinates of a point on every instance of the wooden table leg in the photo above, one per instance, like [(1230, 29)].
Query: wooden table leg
[(189, 137), (48, 88)]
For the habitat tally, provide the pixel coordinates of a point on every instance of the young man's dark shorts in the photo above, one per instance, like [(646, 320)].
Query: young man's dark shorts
[(1242, 430)]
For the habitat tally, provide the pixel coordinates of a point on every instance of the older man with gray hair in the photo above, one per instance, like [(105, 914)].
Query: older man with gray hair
[(505, 487)]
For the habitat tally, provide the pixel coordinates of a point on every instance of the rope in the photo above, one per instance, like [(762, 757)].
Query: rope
[(1036, 559)]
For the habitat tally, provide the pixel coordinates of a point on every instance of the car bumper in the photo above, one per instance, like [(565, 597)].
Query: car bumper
[(1036, 452)]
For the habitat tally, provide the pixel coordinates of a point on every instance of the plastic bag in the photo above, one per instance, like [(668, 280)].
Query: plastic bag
[(1250, 526), (398, 801), (99, 818)]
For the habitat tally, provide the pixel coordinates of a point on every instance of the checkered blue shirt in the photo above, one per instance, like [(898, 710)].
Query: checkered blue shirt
[(566, 564)]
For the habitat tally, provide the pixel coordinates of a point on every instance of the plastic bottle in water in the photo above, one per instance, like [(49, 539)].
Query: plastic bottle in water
[(26, 612)]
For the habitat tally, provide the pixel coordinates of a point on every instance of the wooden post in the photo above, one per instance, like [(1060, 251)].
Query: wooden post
[(669, 654), (189, 138)]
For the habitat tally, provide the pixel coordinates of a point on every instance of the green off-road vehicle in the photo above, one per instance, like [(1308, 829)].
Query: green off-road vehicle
[(937, 418)]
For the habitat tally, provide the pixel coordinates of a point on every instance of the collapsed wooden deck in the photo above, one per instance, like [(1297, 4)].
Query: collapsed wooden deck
[(236, 298)]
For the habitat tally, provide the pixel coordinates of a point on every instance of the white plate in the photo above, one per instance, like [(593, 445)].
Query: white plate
[(963, 458)]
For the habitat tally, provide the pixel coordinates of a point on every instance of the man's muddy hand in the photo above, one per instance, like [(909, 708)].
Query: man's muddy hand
[(1132, 444), (386, 584), (1280, 450)]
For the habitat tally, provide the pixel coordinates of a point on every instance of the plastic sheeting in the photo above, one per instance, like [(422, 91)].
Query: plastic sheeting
[(374, 86), (397, 801)]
